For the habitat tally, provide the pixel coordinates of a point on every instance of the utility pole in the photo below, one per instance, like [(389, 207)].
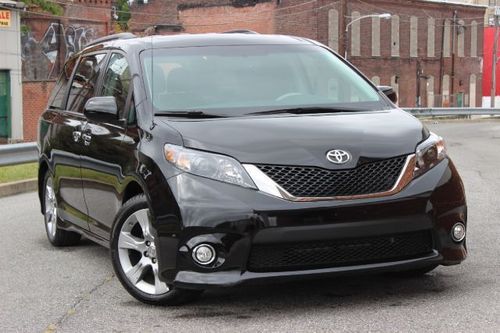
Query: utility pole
[(419, 72), (494, 58), (343, 23)]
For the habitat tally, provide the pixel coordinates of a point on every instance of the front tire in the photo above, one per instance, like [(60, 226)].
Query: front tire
[(133, 253), (57, 237)]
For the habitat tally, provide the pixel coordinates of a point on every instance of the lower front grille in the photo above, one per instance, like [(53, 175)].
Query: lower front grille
[(343, 252)]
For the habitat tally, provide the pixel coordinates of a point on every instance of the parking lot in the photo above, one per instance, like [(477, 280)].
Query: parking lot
[(43, 289)]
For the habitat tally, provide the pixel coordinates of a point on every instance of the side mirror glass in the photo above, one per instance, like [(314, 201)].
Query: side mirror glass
[(101, 106), (389, 92)]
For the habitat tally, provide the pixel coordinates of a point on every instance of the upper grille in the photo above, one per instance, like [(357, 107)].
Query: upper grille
[(368, 178), (342, 252)]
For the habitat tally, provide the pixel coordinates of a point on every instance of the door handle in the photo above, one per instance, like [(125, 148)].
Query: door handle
[(86, 139), (77, 135)]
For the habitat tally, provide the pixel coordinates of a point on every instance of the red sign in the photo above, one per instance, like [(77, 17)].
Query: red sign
[(4, 18)]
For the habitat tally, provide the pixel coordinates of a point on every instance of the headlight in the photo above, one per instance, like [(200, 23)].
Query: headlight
[(429, 153), (213, 166)]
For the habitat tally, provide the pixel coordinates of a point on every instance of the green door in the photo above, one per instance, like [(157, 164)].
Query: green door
[(4, 104)]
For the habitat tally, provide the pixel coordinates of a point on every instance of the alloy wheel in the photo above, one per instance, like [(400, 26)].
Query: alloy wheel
[(137, 254), (50, 209)]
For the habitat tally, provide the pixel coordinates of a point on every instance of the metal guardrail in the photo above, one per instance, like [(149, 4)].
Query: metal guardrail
[(440, 112), (18, 153)]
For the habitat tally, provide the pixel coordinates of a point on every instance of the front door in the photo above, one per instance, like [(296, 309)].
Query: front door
[(4, 104), (68, 141), (105, 156)]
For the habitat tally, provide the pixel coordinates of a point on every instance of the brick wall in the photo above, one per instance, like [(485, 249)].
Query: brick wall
[(259, 18), (153, 13), (311, 19), (50, 40), (96, 10), (35, 97), (225, 13)]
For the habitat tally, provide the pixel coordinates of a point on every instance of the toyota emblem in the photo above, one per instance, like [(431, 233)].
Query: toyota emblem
[(338, 156)]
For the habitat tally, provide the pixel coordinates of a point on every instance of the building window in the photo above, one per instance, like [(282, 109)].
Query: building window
[(446, 39), (446, 91), (333, 29), (430, 91), (461, 38), (472, 90), (355, 35), (375, 36), (414, 37), (473, 39), (395, 36), (431, 37)]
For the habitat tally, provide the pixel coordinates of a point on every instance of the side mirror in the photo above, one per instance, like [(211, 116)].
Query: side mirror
[(101, 107), (389, 92)]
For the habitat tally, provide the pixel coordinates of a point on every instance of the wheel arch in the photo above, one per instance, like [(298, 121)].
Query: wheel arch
[(43, 168), (132, 189)]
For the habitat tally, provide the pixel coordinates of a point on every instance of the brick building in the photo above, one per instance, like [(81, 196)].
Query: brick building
[(429, 51), (46, 44)]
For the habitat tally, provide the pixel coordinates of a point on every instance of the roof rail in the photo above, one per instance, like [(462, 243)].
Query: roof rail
[(241, 31), (122, 35)]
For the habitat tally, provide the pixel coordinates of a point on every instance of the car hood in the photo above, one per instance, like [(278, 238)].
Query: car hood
[(304, 139)]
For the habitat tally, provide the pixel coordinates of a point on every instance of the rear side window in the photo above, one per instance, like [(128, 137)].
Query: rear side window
[(56, 100), (84, 81), (117, 81)]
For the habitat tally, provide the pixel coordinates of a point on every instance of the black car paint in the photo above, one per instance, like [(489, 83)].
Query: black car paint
[(304, 139), (123, 158)]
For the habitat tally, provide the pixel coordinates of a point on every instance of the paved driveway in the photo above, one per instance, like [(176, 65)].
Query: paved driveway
[(74, 289)]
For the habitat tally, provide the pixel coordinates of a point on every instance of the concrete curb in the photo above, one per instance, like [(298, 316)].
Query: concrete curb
[(21, 186)]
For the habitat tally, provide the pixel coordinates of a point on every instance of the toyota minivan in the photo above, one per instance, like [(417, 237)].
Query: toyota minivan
[(214, 160)]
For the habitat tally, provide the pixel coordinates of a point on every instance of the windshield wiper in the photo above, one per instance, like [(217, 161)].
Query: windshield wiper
[(304, 110), (188, 114)]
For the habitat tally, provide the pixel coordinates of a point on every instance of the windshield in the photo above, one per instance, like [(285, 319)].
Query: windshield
[(242, 79)]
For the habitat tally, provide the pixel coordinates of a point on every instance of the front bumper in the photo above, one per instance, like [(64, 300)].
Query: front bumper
[(234, 220)]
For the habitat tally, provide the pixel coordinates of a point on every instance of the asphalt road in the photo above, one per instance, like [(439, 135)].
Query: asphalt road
[(43, 289)]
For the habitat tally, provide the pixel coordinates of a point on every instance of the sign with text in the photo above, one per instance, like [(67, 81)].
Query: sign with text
[(5, 18)]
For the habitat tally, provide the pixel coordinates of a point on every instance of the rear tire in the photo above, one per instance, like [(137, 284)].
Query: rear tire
[(57, 236), (133, 253)]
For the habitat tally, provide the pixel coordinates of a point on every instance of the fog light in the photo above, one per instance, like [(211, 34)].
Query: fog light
[(204, 254), (458, 232)]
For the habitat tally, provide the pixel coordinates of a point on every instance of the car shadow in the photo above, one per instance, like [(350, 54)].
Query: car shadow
[(249, 301), (309, 296), (84, 243), (246, 302)]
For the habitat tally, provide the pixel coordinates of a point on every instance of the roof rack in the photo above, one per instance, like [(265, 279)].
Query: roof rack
[(241, 31), (122, 35)]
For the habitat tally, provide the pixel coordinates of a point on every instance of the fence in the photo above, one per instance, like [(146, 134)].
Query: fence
[(18, 153)]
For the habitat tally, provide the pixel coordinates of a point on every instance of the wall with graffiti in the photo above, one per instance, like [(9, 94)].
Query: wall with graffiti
[(46, 44)]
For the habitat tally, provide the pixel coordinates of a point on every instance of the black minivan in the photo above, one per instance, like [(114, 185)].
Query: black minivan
[(219, 159)]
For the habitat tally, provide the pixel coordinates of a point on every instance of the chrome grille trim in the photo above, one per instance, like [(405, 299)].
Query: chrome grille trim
[(265, 184)]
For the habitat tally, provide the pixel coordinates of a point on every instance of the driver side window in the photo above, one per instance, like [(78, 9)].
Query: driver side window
[(117, 82), (84, 81)]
